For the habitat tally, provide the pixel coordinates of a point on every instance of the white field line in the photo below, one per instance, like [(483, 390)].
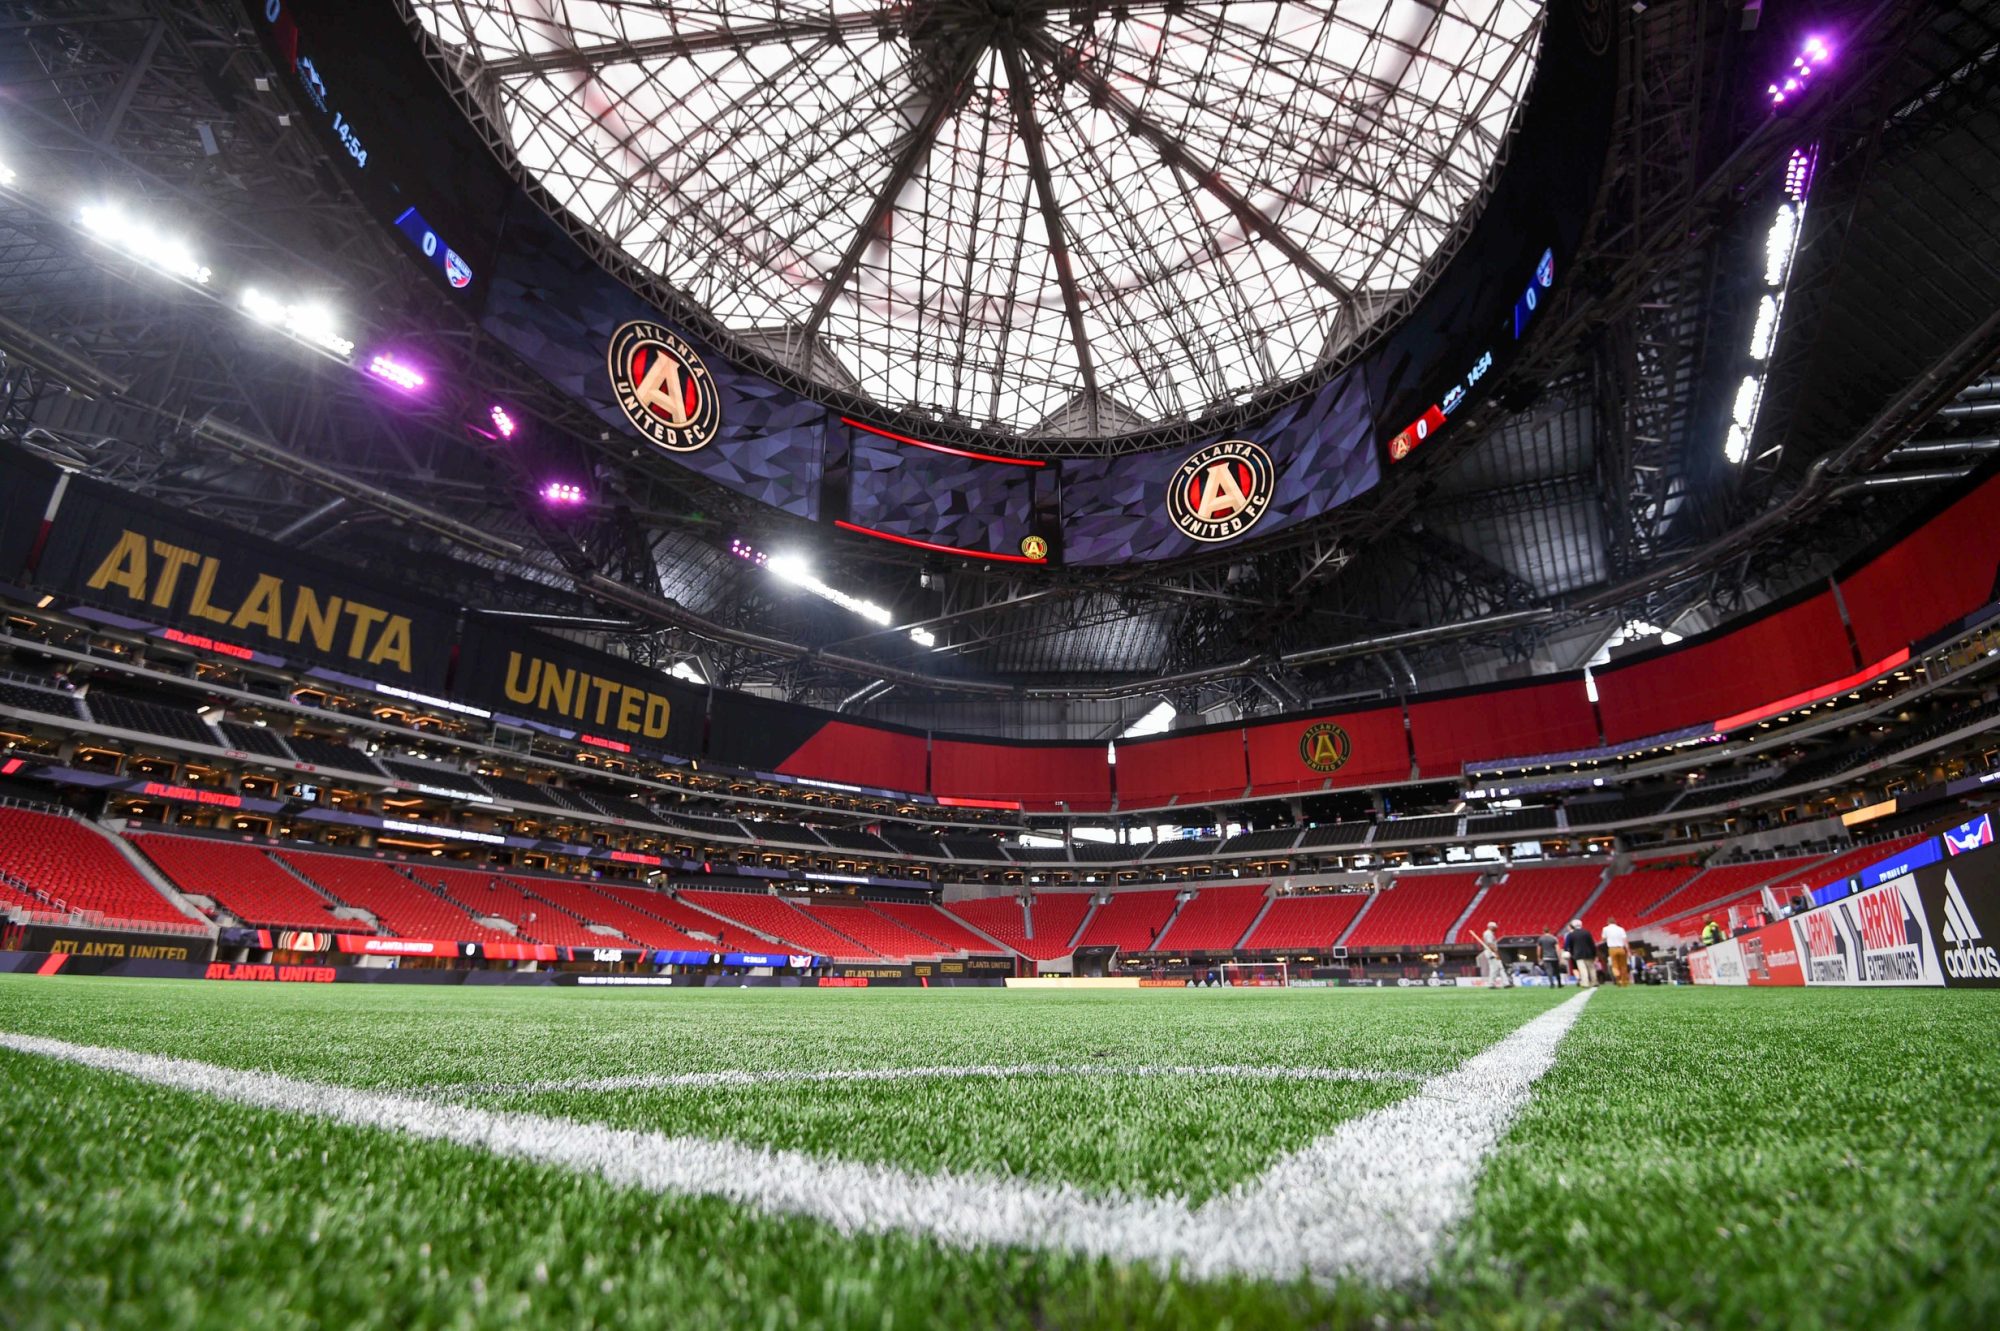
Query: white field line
[(1374, 1199), (780, 1077)]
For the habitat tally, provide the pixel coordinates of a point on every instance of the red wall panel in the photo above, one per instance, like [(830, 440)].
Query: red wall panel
[(1502, 723), (1931, 577), (1037, 775), (1204, 766), (1781, 654), (862, 756), (1377, 752)]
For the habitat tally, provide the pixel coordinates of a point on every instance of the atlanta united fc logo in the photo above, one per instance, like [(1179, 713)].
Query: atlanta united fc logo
[(1221, 490), (663, 388), (1325, 747)]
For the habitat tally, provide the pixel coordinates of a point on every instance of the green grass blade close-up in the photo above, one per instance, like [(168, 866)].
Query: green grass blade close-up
[(1691, 1156)]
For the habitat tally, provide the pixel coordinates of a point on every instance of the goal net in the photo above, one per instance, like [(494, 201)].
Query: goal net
[(1256, 974)]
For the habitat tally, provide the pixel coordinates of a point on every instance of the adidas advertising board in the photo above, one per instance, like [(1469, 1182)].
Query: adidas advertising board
[(1963, 897)]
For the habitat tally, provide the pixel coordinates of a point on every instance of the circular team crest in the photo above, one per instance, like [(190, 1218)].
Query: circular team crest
[(1325, 747), (663, 388), (1221, 490), (1034, 547)]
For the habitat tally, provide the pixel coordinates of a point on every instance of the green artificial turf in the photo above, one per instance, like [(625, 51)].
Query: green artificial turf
[(1696, 1157)]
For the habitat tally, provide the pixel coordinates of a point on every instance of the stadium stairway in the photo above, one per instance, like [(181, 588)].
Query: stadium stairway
[(708, 932), (949, 931), (244, 882), (1257, 921), (778, 919), (1458, 926), (1214, 919), (1359, 916), (147, 870), (1004, 919), (1129, 921)]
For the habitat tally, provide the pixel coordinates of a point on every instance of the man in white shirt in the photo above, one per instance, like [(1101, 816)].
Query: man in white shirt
[(1490, 959), (1614, 943)]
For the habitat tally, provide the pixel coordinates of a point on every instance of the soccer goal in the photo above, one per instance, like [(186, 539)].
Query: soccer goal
[(1257, 974)]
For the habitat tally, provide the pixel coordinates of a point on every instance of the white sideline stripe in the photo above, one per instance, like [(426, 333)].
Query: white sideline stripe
[(1374, 1199), (789, 1076)]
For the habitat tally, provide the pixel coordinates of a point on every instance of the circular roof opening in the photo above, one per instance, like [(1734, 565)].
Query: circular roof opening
[(1049, 220)]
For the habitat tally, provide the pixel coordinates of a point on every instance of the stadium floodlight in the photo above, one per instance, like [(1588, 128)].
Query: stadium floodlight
[(797, 572), (1780, 244), (392, 371), (503, 421), (744, 550), (562, 492), (1764, 334), (1749, 395), (310, 324), (6, 174), (1812, 56), (168, 254), (923, 637), (1736, 445)]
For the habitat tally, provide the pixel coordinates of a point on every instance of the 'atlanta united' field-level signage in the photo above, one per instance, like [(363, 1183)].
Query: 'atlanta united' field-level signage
[(1325, 747), (663, 388), (1221, 490)]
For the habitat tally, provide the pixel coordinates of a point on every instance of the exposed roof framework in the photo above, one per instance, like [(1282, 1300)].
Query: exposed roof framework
[(1588, 491), (1016, 215)]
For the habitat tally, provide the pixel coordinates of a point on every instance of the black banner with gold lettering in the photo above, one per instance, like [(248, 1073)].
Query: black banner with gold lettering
[(220, 585), (595, 695)]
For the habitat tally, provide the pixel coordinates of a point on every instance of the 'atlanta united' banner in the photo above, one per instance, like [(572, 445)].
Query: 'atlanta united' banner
[(224, 589), (601, 698)]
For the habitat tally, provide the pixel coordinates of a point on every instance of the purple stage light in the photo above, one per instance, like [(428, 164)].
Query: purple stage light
[(391, 370), (503, 422), (561, 492), (1813, 54), (1799, 172)]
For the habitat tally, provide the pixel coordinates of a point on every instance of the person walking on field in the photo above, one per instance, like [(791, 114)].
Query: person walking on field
[(1552, 965), (1616, 952), (1582, 954), (1489, 957)]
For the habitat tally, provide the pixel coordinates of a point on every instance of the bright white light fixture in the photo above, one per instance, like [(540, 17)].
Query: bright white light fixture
[(6, 174), (167, 253), (1736, 445), (1764, 335), (310, 324), (923, 637), (1748, 394), (1780, 244), (797, 572)]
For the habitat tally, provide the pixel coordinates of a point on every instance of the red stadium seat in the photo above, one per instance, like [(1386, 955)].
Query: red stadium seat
[(1129, 921), (944, 929), (246, 882), (400, 906), (1315, 921), (77, 866), (1213, 920), (875, 932), (1533, 899), (484, 893), (780, 920), (1417, 911)]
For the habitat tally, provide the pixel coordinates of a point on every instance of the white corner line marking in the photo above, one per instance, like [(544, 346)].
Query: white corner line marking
[(1373, 1199)]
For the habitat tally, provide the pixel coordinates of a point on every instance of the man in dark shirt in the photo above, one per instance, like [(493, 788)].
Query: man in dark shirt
[(1551, 956), (1582, 953)]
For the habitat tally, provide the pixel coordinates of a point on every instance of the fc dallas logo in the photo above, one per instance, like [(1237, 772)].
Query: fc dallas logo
[(1221, 490), (664, 389)]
